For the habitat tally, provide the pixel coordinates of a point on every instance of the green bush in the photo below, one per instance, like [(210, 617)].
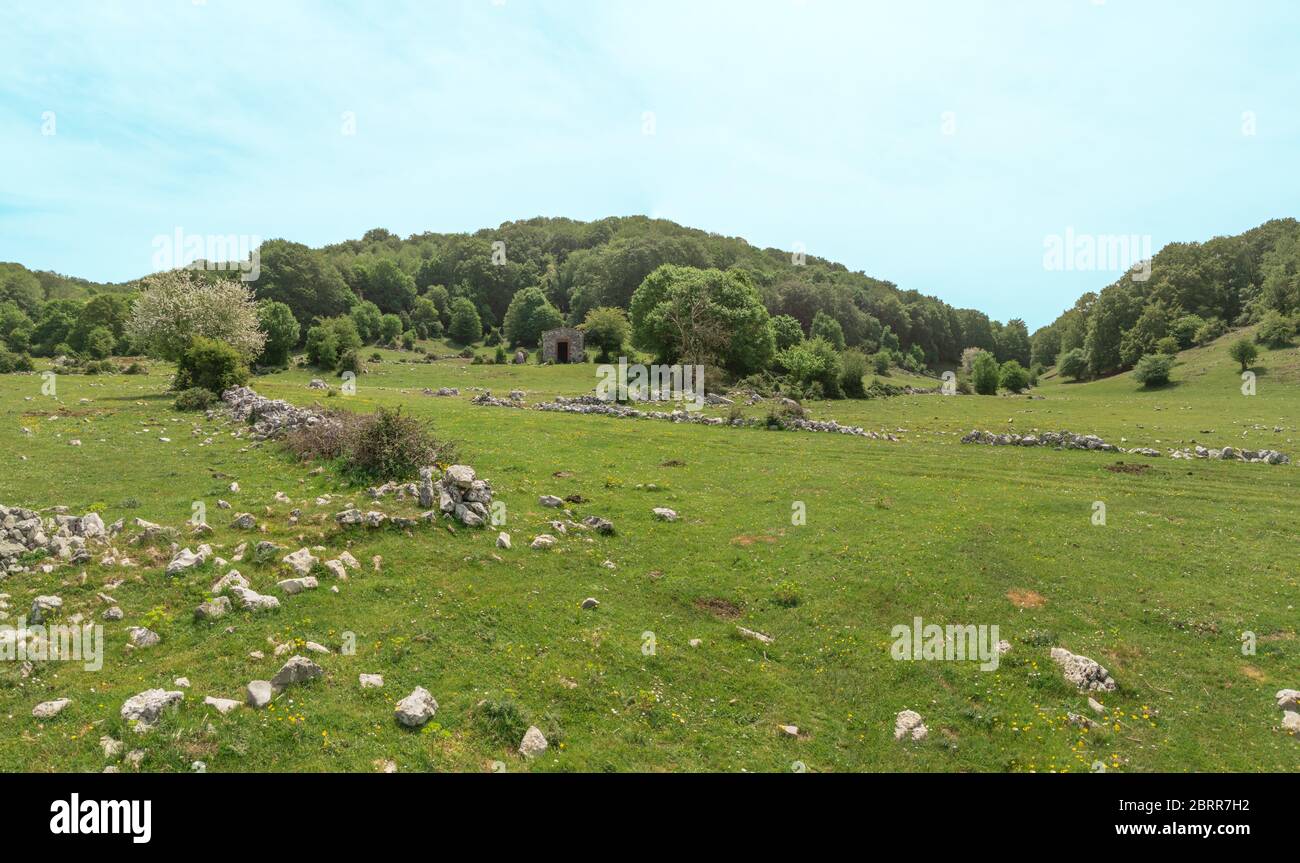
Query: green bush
[(194, 399), (1169, 346), (12, 362), (1210, 330), (350, 362), (99, 343), (281, 328), (390, 445), (880, 362), (1153, 370), (1275, 331), (1013, 377), (985, 374), (1243, 351), (813, 362), (215, 366), (1073, 364), (853, 368), (136, 368)]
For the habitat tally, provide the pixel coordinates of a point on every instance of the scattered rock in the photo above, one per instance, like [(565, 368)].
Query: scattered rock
[(416, 709), (299, 669), (212, 609), (293, 586), (663, 513), (1082, 672), (145, 708), (50, 709), (139, 636), (372, 681), (301, 561), (908, 723), (223, 705), (756, 636), (259, 692), (533, 744)]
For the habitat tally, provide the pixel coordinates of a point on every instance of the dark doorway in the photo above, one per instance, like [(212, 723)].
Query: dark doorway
[(561, 352)]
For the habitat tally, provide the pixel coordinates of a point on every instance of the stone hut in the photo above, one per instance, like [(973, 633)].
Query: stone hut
[(562, 345)]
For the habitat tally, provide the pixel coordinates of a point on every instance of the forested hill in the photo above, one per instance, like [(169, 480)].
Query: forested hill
[(583, 265), (1195, 289), (1193, 293)]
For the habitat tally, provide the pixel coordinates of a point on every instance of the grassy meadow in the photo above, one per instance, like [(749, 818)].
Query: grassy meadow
[(1193, 554)]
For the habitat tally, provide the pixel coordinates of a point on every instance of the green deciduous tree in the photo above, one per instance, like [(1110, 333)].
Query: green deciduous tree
[(530, 314), (466, 326), (1243, 351), (281, 329), (985, 374), (606, 328)]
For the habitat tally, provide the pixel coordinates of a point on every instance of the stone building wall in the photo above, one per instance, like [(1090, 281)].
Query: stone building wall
[(552, 339)]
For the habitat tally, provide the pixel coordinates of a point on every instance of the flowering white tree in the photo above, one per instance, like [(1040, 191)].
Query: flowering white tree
[(175, 306)]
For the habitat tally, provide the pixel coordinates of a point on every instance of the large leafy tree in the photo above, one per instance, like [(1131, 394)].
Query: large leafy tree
[(530, 314), (703, 316), (1112, 314), (174, 307), (606, 328), (387, 286), (466, 325), (303, 279)]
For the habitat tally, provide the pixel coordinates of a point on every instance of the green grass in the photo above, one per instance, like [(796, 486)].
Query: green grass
[(1193, 554)]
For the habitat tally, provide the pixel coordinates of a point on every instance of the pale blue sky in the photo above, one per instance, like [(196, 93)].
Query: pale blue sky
[(782, 121)]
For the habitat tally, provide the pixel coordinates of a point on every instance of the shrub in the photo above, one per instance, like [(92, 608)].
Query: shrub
[(99, 367), (787, 594), (1274, 331), (880, 362), (1210, 330), (194, 399), (985, 374), (99, 343), (1184, 330), (1153, 370), (1013, 377), (136, 368), (390, 327), (502, 720), (322, 347), (853, 368), (281, 329), (1168, 346), (350, 362), (787, 330), (826, 327), (1243, 351), (390, 445), (500, 355), (408, 340), (11, 362), (813, 362), (215, 366), (1073, 364)]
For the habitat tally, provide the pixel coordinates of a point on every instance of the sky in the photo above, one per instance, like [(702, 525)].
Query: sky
[(943, 146)]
